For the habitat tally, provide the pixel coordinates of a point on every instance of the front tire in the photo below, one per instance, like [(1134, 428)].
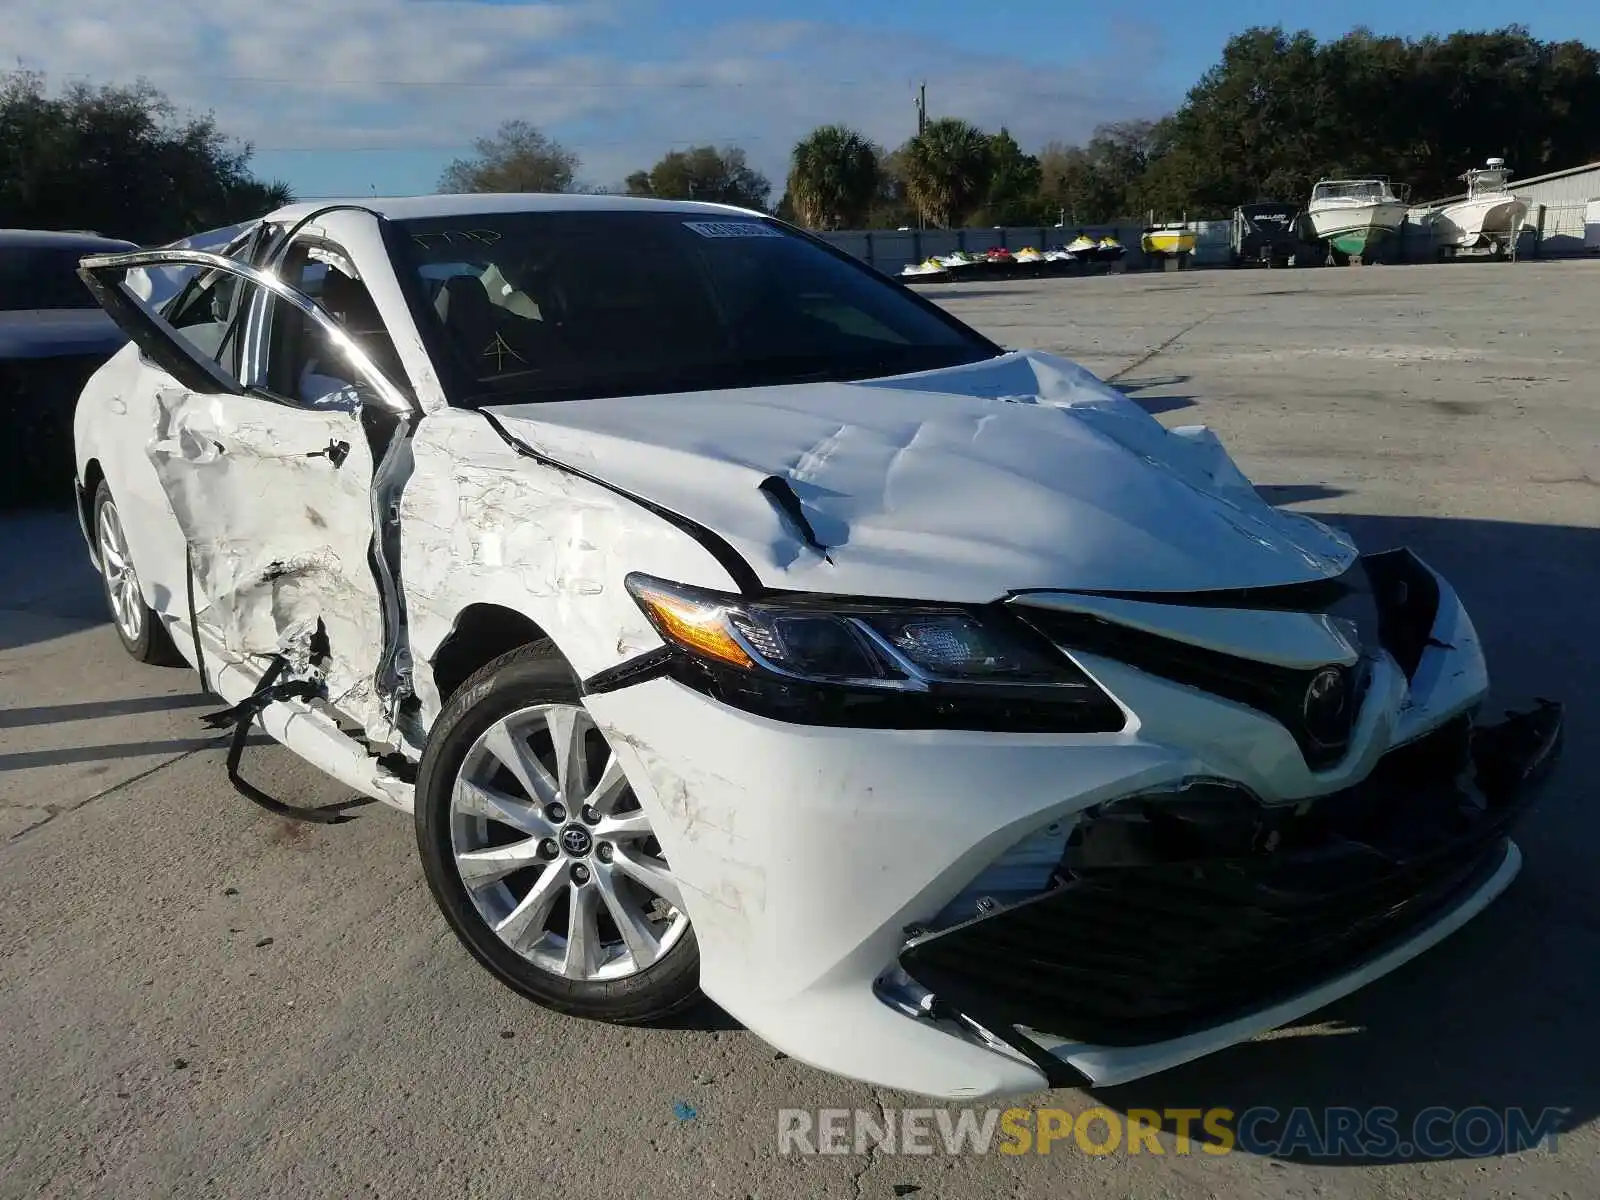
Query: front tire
[(139, 627), (539, 855)]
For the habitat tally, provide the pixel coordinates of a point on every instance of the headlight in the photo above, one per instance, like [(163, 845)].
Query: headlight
[(822, 661)]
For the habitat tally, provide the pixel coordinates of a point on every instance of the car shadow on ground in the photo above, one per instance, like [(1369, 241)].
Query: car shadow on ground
[(702, 1017), (1138, 391), (48, 587), (91, 710), (1499, 1016), (1296, 493), (31, 759)]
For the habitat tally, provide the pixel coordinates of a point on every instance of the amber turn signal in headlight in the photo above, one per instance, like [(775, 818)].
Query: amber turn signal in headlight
[(695, 624)]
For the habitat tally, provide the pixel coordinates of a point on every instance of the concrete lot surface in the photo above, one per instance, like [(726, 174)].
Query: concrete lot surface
[(199, 999)]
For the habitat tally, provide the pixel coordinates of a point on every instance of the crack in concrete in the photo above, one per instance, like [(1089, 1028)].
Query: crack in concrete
[(1153, 354), (56, 810), (1582, 475), (858, 1180)]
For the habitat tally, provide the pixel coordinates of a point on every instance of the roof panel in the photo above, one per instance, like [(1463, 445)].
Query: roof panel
[(402, 208)]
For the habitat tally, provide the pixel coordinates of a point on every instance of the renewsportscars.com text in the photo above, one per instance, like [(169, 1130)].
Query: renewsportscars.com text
[(1340, 1133)]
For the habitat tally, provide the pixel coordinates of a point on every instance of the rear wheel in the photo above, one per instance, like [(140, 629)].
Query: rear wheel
[(539, 854), (138, 626)]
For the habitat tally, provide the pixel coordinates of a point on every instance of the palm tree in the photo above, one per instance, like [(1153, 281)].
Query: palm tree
[(947, 169), (833, 177)]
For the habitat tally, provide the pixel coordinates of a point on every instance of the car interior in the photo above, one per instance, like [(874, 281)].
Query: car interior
[(300, 362)]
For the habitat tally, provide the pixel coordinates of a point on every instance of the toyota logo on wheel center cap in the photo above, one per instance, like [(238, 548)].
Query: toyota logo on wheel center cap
[(575, 840)]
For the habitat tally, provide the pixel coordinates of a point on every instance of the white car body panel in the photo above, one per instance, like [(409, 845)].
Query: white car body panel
[(804, 853), (959, 485), (113, 426), (483, 526)]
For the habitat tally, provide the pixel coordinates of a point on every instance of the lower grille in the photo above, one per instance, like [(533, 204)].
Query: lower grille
[(1158, 952), (1138, 953)]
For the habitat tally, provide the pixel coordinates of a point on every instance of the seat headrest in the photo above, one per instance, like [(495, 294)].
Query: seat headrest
[(465, 298), (349, 301)]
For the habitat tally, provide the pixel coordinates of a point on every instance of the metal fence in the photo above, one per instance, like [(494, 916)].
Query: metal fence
[(1552, 231), (1561, 229), (891, 249)]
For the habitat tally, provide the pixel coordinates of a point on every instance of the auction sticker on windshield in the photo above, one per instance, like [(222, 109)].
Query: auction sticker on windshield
[(731, 229)]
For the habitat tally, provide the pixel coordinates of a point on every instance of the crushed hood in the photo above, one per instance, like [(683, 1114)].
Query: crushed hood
[(1020, 472)]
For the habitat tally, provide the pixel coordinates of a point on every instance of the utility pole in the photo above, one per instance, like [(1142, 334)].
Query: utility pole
[(922, 124)]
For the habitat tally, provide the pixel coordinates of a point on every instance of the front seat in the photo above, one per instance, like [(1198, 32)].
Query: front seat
[(354, 308)]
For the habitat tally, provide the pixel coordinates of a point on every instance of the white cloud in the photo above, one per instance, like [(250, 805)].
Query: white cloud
[(307, 74)]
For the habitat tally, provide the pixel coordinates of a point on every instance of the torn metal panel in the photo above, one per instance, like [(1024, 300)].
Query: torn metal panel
[(964, 484), (310, 732)]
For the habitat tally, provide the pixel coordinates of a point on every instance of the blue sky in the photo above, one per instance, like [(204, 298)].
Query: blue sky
[(350, 97)]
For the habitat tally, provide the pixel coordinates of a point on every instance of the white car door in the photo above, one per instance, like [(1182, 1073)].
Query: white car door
[(280, 446)]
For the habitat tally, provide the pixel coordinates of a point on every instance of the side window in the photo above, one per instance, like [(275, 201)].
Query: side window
[(300, 363), (203, 309), (203, 313)]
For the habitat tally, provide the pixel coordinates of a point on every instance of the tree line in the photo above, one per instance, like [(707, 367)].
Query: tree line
[(1278, 112), (121, 161)]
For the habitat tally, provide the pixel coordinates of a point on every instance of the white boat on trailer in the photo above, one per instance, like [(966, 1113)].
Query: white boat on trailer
[(1490, 217), (1356, 216)]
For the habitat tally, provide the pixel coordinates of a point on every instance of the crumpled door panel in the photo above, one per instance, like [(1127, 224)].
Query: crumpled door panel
[(276, 505)]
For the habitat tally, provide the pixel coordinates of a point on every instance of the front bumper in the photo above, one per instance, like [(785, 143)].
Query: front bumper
[(1133, 967), (813, 859)]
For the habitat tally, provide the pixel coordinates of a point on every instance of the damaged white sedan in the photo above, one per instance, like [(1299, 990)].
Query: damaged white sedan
[(735, 621)]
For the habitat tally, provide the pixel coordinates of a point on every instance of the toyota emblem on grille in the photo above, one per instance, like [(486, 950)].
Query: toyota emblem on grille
[(1326, 706)]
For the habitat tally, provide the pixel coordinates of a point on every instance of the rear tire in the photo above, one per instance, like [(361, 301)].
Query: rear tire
[(570, 902), (139, 627)]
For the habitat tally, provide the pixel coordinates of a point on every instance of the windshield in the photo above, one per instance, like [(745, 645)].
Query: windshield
[(42, 277), (559, 305), (1359, 189)]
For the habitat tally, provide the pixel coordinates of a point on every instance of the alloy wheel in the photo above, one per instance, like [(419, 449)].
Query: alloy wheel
[(116, 568), (555, 852)]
